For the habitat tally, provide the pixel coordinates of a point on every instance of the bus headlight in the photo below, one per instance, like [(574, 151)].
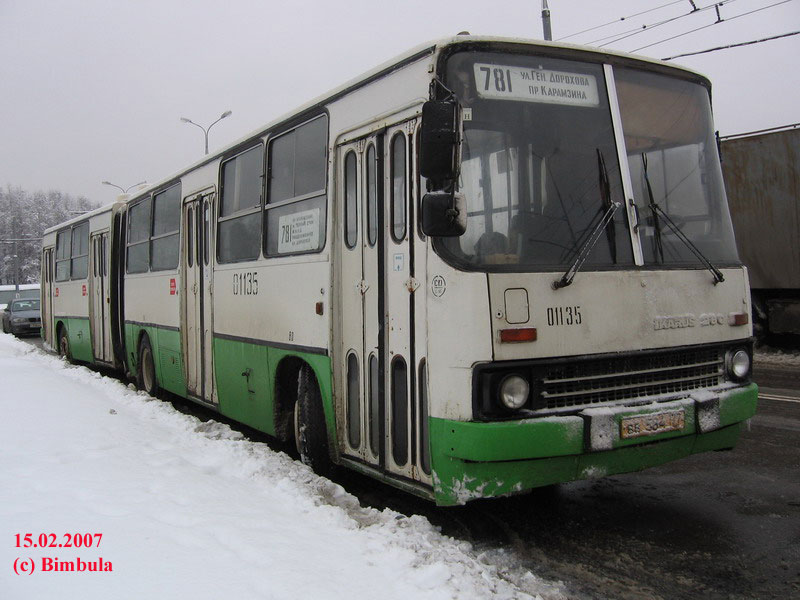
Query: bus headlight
[(514, 392), (738, 363)]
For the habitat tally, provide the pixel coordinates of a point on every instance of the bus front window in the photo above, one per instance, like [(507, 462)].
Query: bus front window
[(539, 164), (675, 169)]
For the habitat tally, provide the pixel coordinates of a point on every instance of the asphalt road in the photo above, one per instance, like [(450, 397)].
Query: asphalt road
[(715, 525)]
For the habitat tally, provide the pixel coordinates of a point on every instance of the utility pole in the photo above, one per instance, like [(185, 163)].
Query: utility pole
[(16, 267), (548, 34)]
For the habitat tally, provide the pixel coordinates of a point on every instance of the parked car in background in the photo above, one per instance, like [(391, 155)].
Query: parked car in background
[(23, 317), (16, 292)]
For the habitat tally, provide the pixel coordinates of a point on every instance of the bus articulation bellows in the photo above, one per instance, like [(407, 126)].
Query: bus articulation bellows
[(487, 266)]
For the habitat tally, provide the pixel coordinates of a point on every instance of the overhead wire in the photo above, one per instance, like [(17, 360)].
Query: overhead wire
[(644, 12), (642, 29), (711, 25), (768, 39)]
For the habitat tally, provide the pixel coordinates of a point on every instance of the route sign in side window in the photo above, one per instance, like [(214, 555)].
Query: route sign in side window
[(296, 206)]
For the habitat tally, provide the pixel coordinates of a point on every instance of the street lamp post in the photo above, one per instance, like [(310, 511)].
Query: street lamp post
[(227, 113), (119, 187)]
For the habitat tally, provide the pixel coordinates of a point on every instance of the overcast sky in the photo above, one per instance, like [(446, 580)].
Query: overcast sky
[(93, 90)]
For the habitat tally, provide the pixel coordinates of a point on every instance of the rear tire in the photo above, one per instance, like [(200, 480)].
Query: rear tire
[(63, 344), (311, 434), (146, 374)]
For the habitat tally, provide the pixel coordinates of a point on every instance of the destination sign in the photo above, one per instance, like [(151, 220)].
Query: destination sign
[(499, 82), (298, 232)]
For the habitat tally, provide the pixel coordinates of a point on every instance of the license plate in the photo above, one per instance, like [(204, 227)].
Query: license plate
[(652, 424)]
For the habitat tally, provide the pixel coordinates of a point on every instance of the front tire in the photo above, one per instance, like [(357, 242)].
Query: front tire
[(311, 434), (146, 375)]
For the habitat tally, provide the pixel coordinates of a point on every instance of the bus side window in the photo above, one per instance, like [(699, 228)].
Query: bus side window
[(166, 229), (62, 255), (206, 230), (350, 200), (138, 248), (79, 267), (296, 208), (398, 198), (189, 238), (239, 223), (372, 196)]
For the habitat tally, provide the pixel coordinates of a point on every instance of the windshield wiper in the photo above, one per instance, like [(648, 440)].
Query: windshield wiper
[(606, 219), (586, 248), (657, 210)]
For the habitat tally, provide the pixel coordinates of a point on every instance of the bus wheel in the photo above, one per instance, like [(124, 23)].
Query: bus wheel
[(146, 375), (63, 344), (311, 435)]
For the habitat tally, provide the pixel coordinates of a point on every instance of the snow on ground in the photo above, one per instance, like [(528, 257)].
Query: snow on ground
[(191, 509), (774, 356)]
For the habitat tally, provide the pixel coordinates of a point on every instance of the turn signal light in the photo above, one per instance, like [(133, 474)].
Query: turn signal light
[(736, 319), (526, 334)]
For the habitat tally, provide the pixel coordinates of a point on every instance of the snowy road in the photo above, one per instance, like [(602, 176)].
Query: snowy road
[(191, 509)]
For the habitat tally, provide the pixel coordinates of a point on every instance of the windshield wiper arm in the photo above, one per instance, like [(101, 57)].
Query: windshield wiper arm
[(657, 210), (586, 248), (718, 277)]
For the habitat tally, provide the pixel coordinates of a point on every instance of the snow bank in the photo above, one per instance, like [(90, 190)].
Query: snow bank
[(774, 356), (190, 509)]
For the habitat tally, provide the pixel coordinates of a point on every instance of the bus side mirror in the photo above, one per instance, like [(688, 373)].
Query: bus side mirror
[(438, 140), (444, 214)]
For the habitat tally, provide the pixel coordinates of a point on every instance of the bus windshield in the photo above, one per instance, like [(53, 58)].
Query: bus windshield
[(540, 168)]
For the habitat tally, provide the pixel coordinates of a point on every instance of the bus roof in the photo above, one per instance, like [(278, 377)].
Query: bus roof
[(84, 217), (408, 57)]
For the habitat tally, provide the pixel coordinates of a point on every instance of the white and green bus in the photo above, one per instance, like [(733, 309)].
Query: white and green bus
[(487, 266)]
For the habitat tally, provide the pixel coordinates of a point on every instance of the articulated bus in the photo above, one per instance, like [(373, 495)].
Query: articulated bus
[(487, 266)]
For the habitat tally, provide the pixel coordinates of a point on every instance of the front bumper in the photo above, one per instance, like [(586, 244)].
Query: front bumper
[(25, 328), (477, 459)]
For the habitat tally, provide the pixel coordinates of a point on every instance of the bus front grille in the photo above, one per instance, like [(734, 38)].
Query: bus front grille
[(588, 381)]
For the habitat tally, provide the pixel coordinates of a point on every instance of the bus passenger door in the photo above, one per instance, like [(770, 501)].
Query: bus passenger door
[(357, 369), (48, 335), (100, 298), (196, 309), (400, 304), (378, 353)]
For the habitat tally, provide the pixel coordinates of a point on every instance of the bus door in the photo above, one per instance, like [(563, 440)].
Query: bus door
[(359, 347), (378, 298), (48, 335), (196, 309), (100, 294)]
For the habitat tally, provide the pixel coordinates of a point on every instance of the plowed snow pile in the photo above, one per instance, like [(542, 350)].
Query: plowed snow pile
[(189, 509)]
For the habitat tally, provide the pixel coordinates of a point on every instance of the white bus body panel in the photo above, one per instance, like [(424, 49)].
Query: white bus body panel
[(619, 311)]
